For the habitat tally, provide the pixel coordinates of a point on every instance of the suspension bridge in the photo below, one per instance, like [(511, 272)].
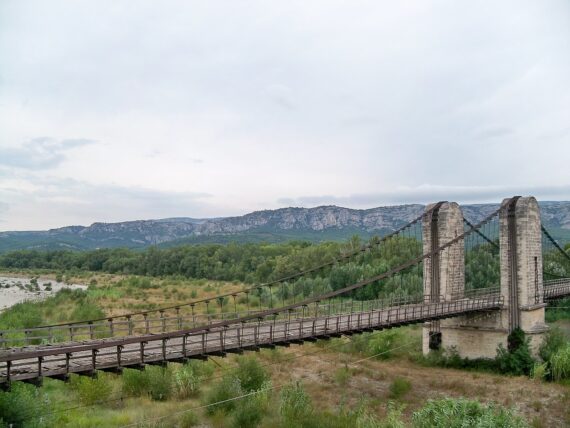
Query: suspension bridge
[(469, 283)]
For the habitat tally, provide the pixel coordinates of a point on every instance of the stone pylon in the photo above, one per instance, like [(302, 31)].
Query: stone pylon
[(521, 269), (444, 272)]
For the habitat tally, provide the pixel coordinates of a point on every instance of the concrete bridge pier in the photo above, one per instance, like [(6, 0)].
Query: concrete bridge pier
[(444, 273), (479, 335), (521, 269)]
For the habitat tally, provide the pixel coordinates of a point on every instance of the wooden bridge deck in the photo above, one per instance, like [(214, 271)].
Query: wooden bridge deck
[(32, 363)]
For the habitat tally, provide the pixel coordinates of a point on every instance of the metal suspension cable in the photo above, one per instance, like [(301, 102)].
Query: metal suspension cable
[(554, 242), (481, 234), (275, 311), (375, 242)]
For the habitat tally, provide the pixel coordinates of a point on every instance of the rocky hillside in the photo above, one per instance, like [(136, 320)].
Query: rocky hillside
[(315, 224)]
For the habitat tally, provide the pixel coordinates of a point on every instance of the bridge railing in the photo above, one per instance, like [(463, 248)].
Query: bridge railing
[(556, 289), (114, 327), (118, 327), (116, 353)]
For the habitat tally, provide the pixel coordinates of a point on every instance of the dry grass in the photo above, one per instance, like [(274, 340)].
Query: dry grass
[(370, 381)]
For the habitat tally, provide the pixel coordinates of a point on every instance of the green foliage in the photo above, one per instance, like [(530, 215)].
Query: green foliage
[(560, 363), (450, 358), (482, 267), (463, 413), (295, 404), (342, 376), (242, 262), (540, 371), (517, 360), (135, 383), (188, 380), (156, 382), (23, 406), (248, 414), (553, 341), (188, 420), (87, 310), (382, 344), (250, 373), (558, 310), (160, 382), (223, 392), (92, 390), (36, 313), (399, 387)]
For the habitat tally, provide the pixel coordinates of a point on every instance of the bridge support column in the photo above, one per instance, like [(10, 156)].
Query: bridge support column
[(521, 269), (444, 272)]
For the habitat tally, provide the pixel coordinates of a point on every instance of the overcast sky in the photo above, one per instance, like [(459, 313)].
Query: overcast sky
[(122, 110)]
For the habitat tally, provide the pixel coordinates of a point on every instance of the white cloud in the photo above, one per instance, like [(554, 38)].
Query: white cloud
[(252, 101)]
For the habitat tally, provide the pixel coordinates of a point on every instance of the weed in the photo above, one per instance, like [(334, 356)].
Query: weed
[(399, 387)]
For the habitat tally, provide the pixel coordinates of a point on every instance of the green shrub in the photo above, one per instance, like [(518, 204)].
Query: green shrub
[(295, 404), (229, 387), (560, 364), (160, 382), (188, 420), (248, 413), (23, 406), (187, 380), (517, 360), (399, 387), (250, 374), (86, 310), (553, 341), (460, 413), (383, 343), (92, 390), (135, 383), (342, 376), (540, 371)]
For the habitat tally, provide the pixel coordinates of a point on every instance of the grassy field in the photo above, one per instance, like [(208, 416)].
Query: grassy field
[(337, 383)]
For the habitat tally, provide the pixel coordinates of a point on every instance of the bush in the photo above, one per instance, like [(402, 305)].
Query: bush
[(248, 414), (540, 371), (342, 376), (295, 403), (23, 406), (384, 343), (92, 390), (399, 388), (187, 381), (459, 413), (229, 387), (250, 374), (135, 383), (188, 420), (560, 364), (517, 359), (553, 341), (160, 382), (86, 310)]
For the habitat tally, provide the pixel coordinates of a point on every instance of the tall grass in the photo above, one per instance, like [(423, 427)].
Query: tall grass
[(459, 413), (560, 364)]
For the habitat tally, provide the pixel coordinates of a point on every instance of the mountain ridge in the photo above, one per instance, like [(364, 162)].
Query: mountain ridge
[(326, 222)]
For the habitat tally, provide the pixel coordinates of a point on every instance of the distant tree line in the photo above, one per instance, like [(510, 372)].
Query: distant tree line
[(259, 262)]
